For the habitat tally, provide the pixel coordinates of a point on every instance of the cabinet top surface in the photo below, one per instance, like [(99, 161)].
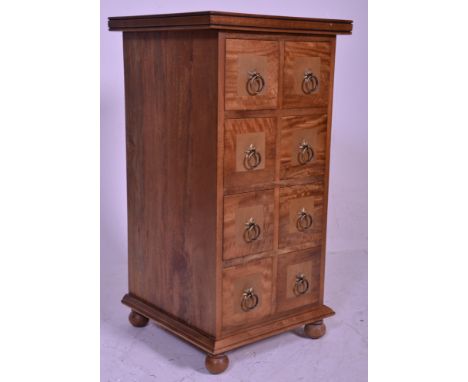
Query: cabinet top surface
[(230, 21)]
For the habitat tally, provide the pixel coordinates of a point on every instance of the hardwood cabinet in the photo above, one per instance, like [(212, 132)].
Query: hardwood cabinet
[(228, 120)]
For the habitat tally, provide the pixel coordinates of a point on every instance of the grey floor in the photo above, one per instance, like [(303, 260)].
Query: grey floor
[(152, 354)]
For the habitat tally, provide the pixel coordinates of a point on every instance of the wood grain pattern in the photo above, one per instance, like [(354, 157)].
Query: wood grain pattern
[(237, 211), (275, 113), (220, 183), (171, 171), (327, 171), (230, 339), (293, 130), (296, 62), (242, 57), (237, 128), (172, 323), (230, 21), (292, 199), (270, 327), (188, 120), (256, 275), (289, 265)]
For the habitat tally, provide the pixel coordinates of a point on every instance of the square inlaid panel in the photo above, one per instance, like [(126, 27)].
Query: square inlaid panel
[(249, 153), (248, 224), (239, 307), (301, 216), (298, 279), (251, 74), (303, 141), (307, 73)]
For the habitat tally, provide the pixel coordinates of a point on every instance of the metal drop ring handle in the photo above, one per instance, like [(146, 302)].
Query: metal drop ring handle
[(249, 300), (304, 220), (255, 83), (252, 158), (306, 153), (301, 285), (309, 83), (252, 231)]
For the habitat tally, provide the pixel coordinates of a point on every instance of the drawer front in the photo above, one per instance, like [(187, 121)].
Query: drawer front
[(303, 146), (301, 216), (298, 280), (247, 293), (248, 224), (307, 74), (251, 74), (249, 152)]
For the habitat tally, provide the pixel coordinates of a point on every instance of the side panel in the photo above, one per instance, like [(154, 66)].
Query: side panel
[(327, 169), (171, 130)]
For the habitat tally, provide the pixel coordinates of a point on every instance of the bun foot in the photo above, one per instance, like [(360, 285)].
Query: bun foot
[(216, 364), (137, 320), (315, 329)]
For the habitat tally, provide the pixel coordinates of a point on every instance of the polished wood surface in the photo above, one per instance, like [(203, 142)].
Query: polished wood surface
[(227, 220), (300, 57), (216, 364), (327, 174), (290, 265), (270, 327), (256, 275), (171, 171), (292, 201), (238, 135), (174, 324), (243, 57), (229, 339), (293, 131), (315, 330), (137, 320), (238, 209), (230, 21)]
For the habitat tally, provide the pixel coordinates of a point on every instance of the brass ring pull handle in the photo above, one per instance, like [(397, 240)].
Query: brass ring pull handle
[(249, 300), (255, 83), (252, 158), (301, 285), (304, 220), (310, 82), (306, 153), (252, 231)]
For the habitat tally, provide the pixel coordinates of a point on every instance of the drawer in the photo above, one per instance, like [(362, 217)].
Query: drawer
[(300, 216), (303, 146), (247, 293), (249, 152), (307, 73), (251, 74), (298, 280), (248, 224)]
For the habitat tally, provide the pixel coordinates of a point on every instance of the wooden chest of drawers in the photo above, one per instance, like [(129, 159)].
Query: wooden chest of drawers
[(228, 120)]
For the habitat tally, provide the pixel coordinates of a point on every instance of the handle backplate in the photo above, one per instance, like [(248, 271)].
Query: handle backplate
[(252, 231), (301, 285), (306, 153), (255, 83), (252, 158), (310, 82), (304, 220), (249, 300)]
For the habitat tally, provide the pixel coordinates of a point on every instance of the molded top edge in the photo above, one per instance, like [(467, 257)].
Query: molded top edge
[(230, 21)]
